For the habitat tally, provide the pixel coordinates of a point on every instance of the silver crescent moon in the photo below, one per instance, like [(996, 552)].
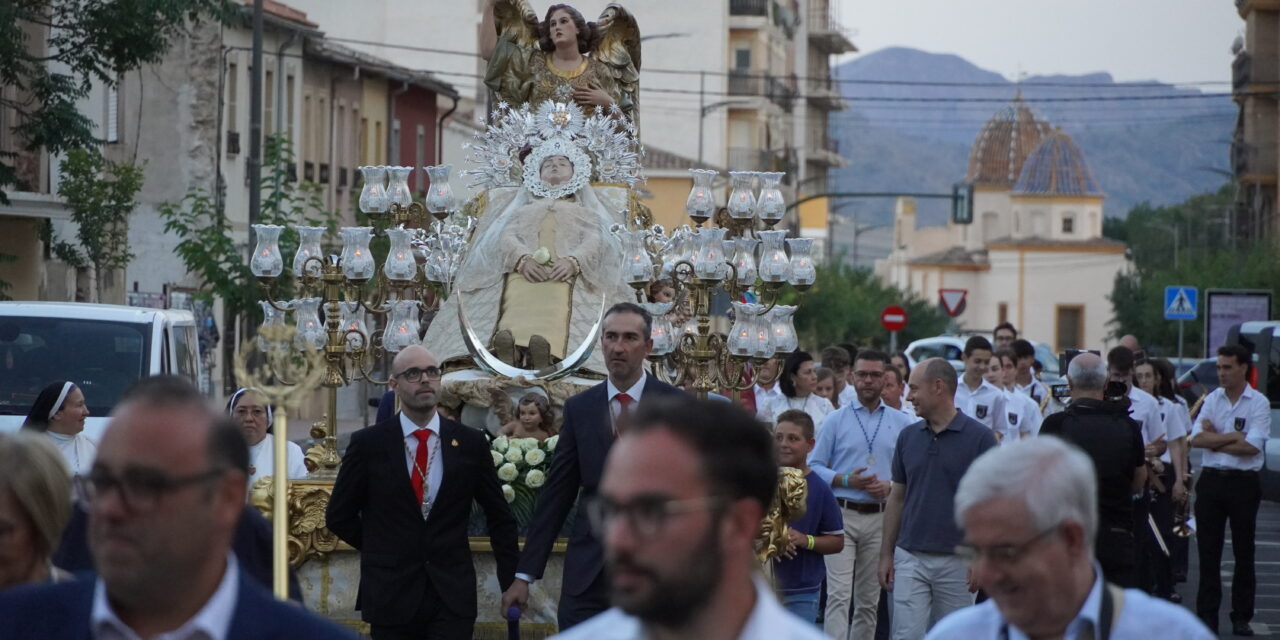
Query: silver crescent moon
[(494, 366)]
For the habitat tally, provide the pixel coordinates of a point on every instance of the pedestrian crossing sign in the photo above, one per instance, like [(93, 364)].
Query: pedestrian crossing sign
[(1180, 303)]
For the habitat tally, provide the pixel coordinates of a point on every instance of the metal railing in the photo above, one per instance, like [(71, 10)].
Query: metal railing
[(749, 7)]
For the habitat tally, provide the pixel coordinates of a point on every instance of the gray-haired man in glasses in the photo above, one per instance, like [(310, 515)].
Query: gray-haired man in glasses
[(164, 495), (1029, 511), (679, 506)]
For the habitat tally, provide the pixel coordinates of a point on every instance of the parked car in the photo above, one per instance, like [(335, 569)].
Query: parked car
[(1199, 380), (951, 348), (101, 348)]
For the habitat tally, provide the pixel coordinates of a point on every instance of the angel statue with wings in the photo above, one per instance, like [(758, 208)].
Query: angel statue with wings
[(563, 58)]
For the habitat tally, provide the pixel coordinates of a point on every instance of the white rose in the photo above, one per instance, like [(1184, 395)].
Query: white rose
[(535, 457), (500, 444), (550, 443), (508, 493), (535, 479), (507, 472), (542, 256), (529, 444), (514, 454), (497, 458)]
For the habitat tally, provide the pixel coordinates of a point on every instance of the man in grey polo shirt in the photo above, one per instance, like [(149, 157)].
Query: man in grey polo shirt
[(917, 555)]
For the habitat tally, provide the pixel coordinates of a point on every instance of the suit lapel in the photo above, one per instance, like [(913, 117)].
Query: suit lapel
[(451, 457), (394, 448)]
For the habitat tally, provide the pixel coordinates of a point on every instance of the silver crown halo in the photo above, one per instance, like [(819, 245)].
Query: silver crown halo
[(602, 147)]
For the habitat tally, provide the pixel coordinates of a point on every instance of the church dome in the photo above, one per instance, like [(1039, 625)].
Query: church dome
[(1004, 143), (1057, 168)]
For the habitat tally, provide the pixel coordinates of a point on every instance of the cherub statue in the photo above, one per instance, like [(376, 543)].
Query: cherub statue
[(563, 58)]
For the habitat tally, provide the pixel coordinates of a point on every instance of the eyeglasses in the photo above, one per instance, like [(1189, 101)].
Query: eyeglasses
[(141, 489), (874, 375), (647, 516), (1004, 554), (415, 374)]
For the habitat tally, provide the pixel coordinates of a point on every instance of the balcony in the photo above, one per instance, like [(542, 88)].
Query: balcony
[(827, 34), (1245, 7), (746, 83), (1253, 163), (749, 7), (751, 159), (824, 149), (825, 94)]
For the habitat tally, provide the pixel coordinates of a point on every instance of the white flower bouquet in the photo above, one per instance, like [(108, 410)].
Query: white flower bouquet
[(522, 465)]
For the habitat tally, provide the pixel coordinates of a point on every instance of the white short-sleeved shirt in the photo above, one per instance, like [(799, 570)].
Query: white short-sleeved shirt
[(1177, 423), (1251, 415), (813, 404), (1022, 414), (764, 401), (1144, 409), (986, 404)]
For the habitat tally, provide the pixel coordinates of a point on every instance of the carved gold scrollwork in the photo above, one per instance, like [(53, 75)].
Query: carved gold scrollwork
[(788, 506), (307, 501)]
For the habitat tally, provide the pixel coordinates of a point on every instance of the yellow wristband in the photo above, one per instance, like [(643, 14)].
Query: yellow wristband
[(810, 542)]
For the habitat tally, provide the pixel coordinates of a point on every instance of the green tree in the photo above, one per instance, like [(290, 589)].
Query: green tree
[(208, 250), (100, 194), (1205, 258), (88, 41), (844, 305)]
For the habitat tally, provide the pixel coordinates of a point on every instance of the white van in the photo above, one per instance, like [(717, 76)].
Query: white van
[(102, 348)]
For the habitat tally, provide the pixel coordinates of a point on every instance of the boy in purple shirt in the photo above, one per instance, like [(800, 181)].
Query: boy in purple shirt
[(800, 571)]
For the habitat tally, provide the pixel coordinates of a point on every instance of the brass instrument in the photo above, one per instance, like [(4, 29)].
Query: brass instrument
[(1182, 511), (1194, 412)]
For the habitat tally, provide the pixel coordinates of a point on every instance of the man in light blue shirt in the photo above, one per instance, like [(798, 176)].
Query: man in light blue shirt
[(1029, 514), (853, 455)]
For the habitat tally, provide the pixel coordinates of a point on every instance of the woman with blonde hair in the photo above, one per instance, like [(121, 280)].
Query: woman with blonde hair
[(35, 502)]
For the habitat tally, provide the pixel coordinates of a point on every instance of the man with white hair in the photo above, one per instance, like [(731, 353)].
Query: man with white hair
[(1029, 512), (1113, 441)]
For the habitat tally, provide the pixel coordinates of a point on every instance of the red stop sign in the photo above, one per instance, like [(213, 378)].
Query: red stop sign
[(894, 318)]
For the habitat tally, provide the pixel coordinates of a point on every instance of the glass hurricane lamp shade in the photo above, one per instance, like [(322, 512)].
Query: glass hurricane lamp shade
[(739, 339), (742, 200), (266, 261), (750, 335), (637, 266), (440, 198), (709, 261), (398, 192), (310, 335), (781, 324), (744, 260), (402, 328), (357, 260), (678, 249), (773, 266), (400, 265), (308, 247), (770, 206), (803, 273), (373, 196), (701, 203), (271, 317), (663, 341), (353, 319), (436, 267)]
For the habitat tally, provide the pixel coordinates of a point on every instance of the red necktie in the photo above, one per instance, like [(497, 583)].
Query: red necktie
[(620, 423), (420, 463)]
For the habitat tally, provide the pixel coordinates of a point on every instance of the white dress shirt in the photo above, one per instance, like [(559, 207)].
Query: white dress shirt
[(764, 399), (1139, 616), (1146, 411), (813, 404), (1035, 389), (1251, 414), (768, 621), (435, 453), (615, 405), (848, 396), (212, 622), (262, 460), (1177, 423), (1022, 415), (78, 450), (985, 404)]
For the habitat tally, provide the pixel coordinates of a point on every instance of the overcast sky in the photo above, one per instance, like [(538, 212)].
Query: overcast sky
[(1165, 40)]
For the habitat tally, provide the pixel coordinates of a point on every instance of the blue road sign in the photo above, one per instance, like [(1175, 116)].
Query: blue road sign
[(1180, 303)]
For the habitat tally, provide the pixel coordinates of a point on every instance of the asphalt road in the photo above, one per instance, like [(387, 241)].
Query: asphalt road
[(1266, 618)]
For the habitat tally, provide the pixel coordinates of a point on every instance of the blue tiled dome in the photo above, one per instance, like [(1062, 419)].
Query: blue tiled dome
[(1002, 146), (1056, 167)]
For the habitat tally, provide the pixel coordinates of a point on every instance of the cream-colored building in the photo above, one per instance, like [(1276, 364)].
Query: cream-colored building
[(1255, 76), (1034, 254)]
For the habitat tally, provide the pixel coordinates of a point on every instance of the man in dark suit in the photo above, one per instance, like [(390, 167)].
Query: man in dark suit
[(592, 421), (403, 498), (164, 496)]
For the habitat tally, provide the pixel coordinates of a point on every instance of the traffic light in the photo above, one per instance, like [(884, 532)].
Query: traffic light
[(962, 203)]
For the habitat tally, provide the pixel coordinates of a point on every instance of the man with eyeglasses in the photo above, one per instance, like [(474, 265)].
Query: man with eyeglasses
[(593, 419), (853, 455), (1029, 511), (679, 508), (164, 495), (403, 499), (1113, 442), (917, 550)]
